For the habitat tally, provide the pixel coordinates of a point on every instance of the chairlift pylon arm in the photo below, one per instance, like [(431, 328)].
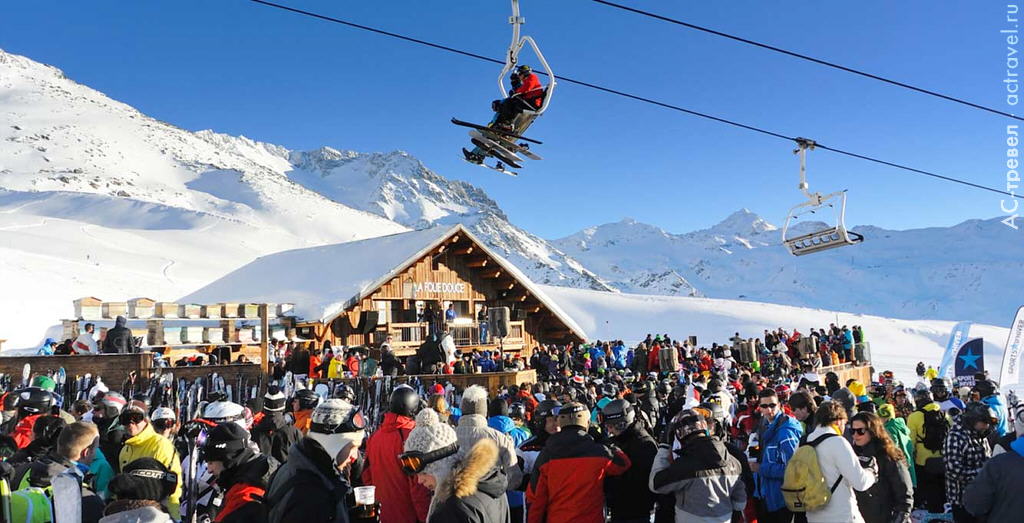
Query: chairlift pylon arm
[(512, 58), (803, 145)]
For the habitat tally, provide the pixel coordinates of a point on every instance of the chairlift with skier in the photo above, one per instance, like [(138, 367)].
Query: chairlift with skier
[(518, 108), (822, 239)]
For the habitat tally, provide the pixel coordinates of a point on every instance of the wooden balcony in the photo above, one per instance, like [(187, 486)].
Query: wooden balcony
[(407, 337)]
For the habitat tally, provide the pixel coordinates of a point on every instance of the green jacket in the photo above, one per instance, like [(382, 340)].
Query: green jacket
[(900, 434)]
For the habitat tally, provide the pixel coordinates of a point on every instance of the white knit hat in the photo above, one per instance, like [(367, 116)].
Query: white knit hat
[(331, 413), (431, 434), (474, 401)]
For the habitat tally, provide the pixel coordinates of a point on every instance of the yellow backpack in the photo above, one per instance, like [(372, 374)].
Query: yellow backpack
[(803, 485)]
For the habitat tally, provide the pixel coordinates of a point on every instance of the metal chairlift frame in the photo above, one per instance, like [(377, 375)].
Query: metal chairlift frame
[(512, 58), (825, 239)]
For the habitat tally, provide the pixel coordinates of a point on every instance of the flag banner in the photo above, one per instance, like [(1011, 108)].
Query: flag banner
[(1010, 372), (956, 339), (970, 360)]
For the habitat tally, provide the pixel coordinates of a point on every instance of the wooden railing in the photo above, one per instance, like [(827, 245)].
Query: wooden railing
[(405, 336)]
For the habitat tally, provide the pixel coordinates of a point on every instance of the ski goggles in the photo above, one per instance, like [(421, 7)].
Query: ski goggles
[(355, 422), (414, 461), (568, 410), (131, 416)]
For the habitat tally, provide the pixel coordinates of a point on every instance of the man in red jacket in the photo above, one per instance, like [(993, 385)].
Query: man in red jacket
[(567, 483), (527, 94), (402, 498)]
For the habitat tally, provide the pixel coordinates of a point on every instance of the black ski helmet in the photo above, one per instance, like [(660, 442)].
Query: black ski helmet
[(517, 411), (976, 411), (544, 410), (34, 400), (308, 399), (618, 413), (404, 401), (920, 368), (986, 388), (609, 390), (523, 70), (344, 392)]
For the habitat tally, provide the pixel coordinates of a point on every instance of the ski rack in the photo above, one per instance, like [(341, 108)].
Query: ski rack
[(512, 57), (824, 239)]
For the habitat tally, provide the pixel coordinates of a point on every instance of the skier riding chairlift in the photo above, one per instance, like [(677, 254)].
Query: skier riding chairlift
[(823, 239), (514, 114)]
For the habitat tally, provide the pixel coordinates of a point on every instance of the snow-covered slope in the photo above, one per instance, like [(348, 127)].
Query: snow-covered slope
[(896, 345), (99, 199), (971, 271), (399, 187), (151, 209)]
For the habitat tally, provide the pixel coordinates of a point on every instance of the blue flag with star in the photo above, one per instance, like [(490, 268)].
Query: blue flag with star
[(970, 360)]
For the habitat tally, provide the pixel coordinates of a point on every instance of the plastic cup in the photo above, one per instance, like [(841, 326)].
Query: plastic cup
[(365, 495)]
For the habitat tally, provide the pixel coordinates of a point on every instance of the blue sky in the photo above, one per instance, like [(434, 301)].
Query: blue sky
[(242, 68)]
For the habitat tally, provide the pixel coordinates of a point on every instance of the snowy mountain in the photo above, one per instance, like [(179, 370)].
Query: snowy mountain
[(971, 271), (399, 187), (87, 182)]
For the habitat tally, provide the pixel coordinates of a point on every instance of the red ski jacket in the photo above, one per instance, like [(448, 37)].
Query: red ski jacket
[(402, 499), (567, 483), (531, 90), (23, 431)]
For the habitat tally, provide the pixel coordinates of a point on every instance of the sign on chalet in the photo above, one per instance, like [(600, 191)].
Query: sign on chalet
[(360, 292)]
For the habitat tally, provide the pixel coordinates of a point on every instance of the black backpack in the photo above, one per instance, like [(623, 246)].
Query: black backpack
[(936, 426)]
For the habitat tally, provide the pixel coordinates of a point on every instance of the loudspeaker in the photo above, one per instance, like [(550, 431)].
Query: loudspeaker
[(341, 326), (693, 341), (367, 322), (498, 321)]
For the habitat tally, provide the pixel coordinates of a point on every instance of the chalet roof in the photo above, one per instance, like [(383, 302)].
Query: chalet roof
[(326, 280)]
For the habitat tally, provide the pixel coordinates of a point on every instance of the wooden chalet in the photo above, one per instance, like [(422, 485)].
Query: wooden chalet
[(362, 292)]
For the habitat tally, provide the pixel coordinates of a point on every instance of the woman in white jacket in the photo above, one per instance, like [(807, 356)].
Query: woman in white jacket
[(836, 458)]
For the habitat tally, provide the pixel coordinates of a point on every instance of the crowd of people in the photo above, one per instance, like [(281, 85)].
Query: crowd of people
[(661, 431)]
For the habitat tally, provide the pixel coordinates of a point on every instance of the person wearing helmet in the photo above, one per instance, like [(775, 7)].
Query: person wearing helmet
[(941, 389), (32, 402), (995, 493), (527, 95), (928, 427), (562, 486), (988, 391), (144, 442), (242, 475), (273, 434), (704, 477), (408, 500), (543, 424), (302, 408), (165, 422), (966, 450), (627, 496)]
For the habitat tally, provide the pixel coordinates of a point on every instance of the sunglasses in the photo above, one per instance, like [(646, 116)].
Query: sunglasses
[(768, 405), (859, 432), (414, 461), (355, 422)]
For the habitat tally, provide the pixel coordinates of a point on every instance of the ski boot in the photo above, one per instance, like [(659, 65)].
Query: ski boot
[(472, 157)]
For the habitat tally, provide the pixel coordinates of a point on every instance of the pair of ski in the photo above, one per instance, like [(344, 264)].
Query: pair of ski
[(500, 144)]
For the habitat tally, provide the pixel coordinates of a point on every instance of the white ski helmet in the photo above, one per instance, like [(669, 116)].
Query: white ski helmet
[(222, 411)]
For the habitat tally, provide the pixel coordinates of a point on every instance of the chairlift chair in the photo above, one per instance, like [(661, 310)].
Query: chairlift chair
[(526, 118), (823, 239)]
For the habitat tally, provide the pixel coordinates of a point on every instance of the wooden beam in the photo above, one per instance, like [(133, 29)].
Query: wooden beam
[(455, 239), (440, 249), (493, 273), (463, 250), (505, 284), (533, 309), (477, 263)]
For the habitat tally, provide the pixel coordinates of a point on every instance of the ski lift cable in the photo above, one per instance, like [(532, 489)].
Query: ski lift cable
[(811, 59), (642, 99)]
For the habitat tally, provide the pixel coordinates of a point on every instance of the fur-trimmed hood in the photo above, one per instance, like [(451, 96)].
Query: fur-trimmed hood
[(476, 479)]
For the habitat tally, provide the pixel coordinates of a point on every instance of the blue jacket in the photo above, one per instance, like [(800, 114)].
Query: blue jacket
[(620, 356), (847, 340), (778, 441), (996, 402)]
